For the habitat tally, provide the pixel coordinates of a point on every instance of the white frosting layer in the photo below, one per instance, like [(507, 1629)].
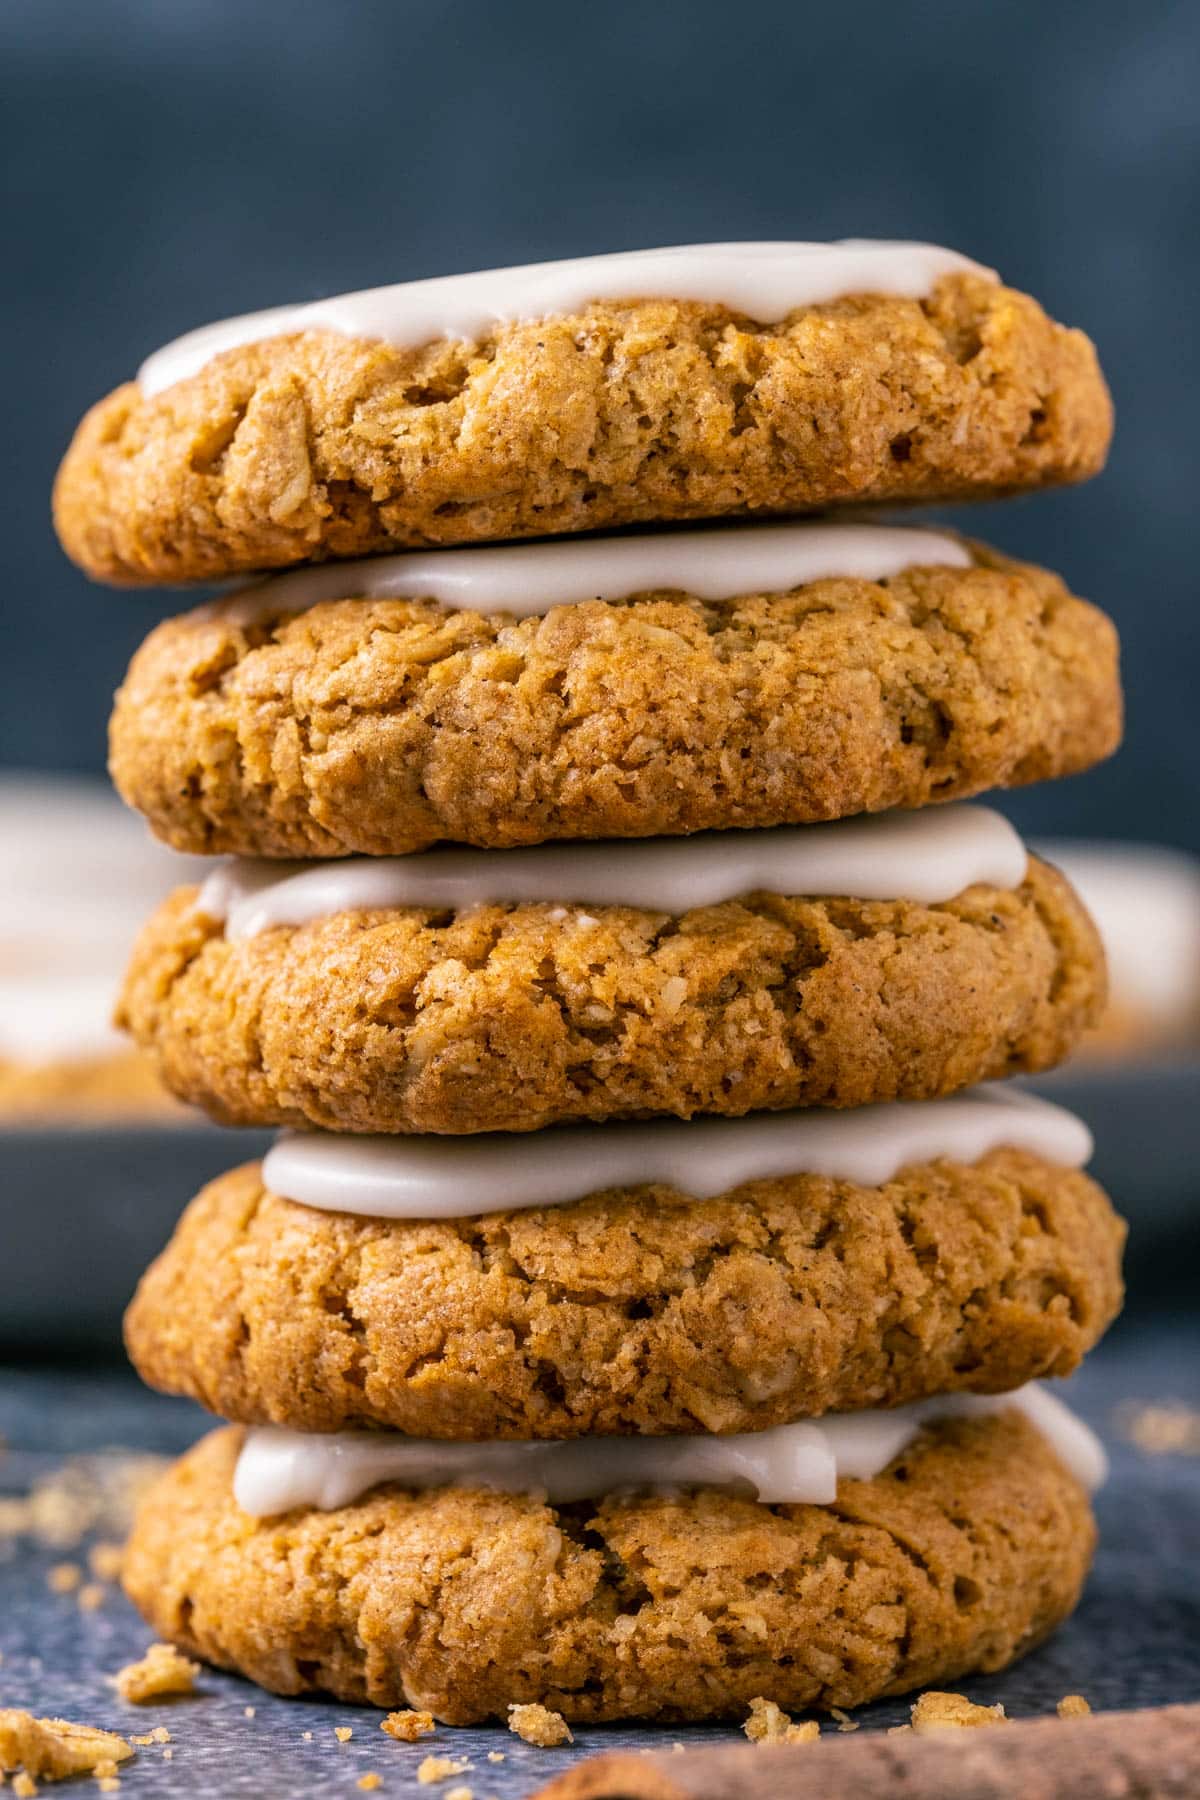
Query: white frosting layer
[(278, 1470), (464, 1177), (525, 580), (1146, 901), (927, 856), (763, 281)]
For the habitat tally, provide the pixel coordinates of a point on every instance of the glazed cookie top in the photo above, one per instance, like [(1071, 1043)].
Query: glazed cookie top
[(764, 281), (700, 382)]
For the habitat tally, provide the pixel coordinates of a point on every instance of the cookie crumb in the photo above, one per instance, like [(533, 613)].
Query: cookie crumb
[(306, 1737), (24, 1786), (440, 1768), (160, 1735), (1073, 1706), (406, 1727), (168, 1753), (369, 1781), (343, 1733), (91, 1597), (536, 1724), (769, 1724), (1169, 1428), (934, 1711), (106, 1561), (495, 1756), (64, 1578), (843, 1720), (162, 1671), (460, 1793), (248, 1712), (108, 1784), (56, 1749)]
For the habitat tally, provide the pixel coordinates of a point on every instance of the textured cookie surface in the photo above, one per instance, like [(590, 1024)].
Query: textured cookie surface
[(510, 1018), (380, 726), (636, 1310), (962, 1555), (319, 445)]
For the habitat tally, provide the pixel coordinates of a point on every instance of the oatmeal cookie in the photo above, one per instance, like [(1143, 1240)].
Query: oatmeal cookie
[(962, 1555), (637, 1310), (316, 445), (381, 725), (508, 1018)]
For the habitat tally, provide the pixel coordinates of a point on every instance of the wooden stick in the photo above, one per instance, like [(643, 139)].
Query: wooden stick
[(1153, 1754)]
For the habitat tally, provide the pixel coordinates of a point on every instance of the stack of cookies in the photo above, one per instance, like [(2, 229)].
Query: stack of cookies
[(636, 1314)]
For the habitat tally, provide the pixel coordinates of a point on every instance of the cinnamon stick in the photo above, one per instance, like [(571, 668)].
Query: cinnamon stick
[(1152, 1754)]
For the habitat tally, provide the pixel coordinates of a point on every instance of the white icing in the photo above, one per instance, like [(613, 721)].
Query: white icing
[(792, 1464), (760, 281), (465, 1177), (927, 856), (1146, 902), (525, 580)]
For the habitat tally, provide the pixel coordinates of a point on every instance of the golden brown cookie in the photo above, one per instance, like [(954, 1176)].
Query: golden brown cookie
[(508, 1018), (635, 1310), (317, 445), (969, 1548), (381, 726)]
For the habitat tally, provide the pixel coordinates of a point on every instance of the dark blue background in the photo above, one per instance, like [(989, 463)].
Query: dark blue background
[(171, 161)]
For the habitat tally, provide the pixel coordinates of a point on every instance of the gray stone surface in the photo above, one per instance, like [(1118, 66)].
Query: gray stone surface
[(1134, 1642)]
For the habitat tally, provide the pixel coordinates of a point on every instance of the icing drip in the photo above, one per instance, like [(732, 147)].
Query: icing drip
[(465, 1177), (760, 281), (791, 1464)]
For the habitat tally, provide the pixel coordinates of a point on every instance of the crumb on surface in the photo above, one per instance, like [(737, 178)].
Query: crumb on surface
[(306, 1737), (1073, 1706), (64, 1578), (440, 1768), (248, 1712), (1164, 1428), (160, 1735), (842, 1719), (91, 1596), (407, 1726), (769, 1724), (536, 1724), (343, 1733), (55, 1748), (24, 1786), (369, 1781), (105, 1561), (495, 1756), (98, 1492), (108, 1784), (162, 1671), (936, 1711), (462, 1792)]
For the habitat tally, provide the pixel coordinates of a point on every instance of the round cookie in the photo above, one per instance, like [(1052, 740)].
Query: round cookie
[(382, 725), (513, 1017), (969, 1548), (634, 1311), (320, 443)]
